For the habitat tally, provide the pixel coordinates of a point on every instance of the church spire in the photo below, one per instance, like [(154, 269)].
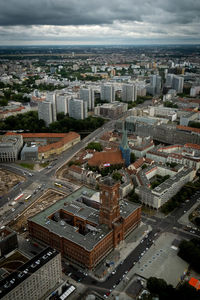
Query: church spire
[(124, 142), (124, 147)]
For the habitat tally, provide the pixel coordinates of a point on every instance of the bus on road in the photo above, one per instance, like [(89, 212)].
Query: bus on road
[(19, 197), (27, 197), (57, 184)]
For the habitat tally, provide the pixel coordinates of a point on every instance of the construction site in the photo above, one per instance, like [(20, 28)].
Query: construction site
[(49, 197), (8, 180)]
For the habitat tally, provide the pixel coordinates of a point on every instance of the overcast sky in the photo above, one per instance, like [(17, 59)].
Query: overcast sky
[(29, 22)]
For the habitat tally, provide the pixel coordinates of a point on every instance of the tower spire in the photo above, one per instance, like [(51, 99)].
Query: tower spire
[(124, 147)]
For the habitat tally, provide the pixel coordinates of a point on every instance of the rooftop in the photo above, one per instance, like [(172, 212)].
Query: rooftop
[(25, 271), (104, 157), (79, 204)]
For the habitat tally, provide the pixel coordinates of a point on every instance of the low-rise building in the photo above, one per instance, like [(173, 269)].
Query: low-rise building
[(187, 155), (187, 117), (111, 110), (158, 196), (10, 147), (42, 145), (140, 146), (83, 175), (106, 158)]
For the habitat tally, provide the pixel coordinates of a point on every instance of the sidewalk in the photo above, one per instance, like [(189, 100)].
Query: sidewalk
[(116, 256), (184, 220)]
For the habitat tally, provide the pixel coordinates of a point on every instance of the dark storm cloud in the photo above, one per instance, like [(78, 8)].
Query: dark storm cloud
[(88, 12), (98, 21), (63, 12)]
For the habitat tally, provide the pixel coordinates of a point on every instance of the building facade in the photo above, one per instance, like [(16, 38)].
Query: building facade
[(158, 196), (111, 110), (34, 279), (45, 112), (78, 109), (87, 94), (62, 101), (129, 92), (85, 231), (107, 93), (10, 147)]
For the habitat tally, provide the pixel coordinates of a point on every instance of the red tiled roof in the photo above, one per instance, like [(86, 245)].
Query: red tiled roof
[(138, 163), (170, 147), (66, 139), (176, 155), (186, 128), (39, 135), (111, 157), (148, 160), (151, 170), (75, 168), (194, 146)]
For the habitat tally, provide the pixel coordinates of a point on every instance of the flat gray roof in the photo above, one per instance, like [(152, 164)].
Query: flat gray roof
[(73, 204)]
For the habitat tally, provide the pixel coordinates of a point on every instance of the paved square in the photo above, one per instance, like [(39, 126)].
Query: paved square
[(161, 261)]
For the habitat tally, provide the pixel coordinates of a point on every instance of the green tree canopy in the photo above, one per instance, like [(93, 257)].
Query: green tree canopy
[(95, 146), (117, 176)]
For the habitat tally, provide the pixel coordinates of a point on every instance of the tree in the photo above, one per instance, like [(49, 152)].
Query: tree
[(95, 146), (197, 221), (144, 166), (133, 197), (159, 287), (3, 102), (117, 176), (132, 158), (190, 252)]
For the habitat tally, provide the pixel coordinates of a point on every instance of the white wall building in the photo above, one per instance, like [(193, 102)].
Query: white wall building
[(78, 109), (45, 112), (10, 145), (177, 83), (62, 103), (107, 93), (129, 92), (87, 94), (158, 196), (51, 97)]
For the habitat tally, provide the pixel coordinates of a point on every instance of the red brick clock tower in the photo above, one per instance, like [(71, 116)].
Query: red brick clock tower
[(109, 197)]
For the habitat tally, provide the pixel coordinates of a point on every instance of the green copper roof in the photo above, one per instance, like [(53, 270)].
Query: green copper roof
[(124, 142)]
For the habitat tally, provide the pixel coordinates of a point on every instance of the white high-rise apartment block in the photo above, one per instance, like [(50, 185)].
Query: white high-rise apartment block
[(107, 93), (169, 80), (141, 88), (51, 97), (195, 90), (94, 69), (77, 109), (87, 94), (177, 84), (129, 92), (155, 84), (45, 112), (62, 103)]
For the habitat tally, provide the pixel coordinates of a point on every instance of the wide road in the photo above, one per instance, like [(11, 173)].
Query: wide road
[(159, 226), (47, 176)]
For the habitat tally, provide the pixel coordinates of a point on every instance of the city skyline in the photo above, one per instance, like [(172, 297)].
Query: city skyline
[(95, 23)]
